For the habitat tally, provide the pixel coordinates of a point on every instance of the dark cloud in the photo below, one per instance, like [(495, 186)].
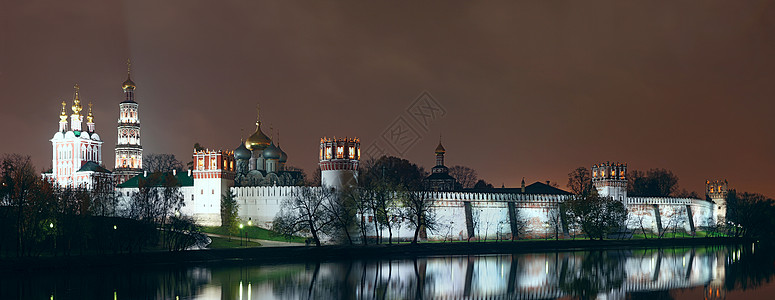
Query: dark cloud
[(531, 89)]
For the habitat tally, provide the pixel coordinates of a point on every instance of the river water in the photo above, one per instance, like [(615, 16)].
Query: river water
[(717, 272)]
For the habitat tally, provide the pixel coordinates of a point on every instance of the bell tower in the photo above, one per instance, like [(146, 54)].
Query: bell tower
[(129, 152)]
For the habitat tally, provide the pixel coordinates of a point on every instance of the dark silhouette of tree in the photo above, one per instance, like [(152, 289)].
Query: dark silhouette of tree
[(579, 181), (653, 183), (418, 209), (596, 216), (305, 212), (464, 176), (750, 215), (382, 181), (158, 197), (341, 209), (481, 184), (154, 163), (229, 210)]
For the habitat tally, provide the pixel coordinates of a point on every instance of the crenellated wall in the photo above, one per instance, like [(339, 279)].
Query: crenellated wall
[(488, 215)]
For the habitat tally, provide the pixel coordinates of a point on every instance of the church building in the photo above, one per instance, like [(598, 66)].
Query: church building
[(77, 151)]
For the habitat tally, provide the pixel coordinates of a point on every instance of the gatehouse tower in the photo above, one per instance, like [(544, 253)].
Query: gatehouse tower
[(339, 159), (610, 180)]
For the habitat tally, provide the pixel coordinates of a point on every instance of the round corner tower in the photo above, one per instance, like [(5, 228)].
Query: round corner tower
[(717, 192), (339, 159), (610, 180)]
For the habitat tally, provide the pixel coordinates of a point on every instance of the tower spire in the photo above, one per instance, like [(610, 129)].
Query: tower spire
[(258, 114), (90, 119), (77, 101), (63, 118), (128, 84), (76, 118)]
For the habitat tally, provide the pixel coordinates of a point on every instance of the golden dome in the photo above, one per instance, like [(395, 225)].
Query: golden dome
[(90, 117), (257, 141), (77, 102), (63, 115), (128, 84)]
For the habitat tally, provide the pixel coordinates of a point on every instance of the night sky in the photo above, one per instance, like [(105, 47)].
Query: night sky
[(523, 90)]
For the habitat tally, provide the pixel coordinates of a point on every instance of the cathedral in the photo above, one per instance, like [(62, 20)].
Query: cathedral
[(261, 161)]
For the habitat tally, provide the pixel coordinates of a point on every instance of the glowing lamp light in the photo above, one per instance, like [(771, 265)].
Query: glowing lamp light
[(50, 225), (240, 226), (115, 227), (250, 223)]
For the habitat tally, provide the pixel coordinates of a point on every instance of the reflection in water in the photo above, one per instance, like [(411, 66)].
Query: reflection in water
[(611, 274)]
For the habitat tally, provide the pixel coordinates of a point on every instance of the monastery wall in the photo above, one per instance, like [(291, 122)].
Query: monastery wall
[(487, 215)]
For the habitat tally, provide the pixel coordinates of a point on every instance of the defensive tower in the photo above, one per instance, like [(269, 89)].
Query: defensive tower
[(716, 190), (339, 159), (610, 180)]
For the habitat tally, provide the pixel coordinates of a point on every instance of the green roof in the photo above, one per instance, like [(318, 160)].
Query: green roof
[(93, 166), (182, 177)]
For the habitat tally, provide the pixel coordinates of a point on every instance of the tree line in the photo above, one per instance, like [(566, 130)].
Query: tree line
[(39, 217)]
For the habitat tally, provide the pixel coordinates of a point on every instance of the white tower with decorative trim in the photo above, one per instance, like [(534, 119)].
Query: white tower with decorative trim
[(339, 161), (129, 152)]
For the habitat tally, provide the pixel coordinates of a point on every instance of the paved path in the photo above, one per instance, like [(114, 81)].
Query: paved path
[(264, 243)]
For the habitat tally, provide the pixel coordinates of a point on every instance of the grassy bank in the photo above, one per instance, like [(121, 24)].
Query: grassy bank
[(253, 232)]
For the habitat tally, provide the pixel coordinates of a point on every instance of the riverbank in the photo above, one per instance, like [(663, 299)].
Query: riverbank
[(277, 255)]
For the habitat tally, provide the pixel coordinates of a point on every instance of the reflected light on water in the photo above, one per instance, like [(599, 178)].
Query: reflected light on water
[(611, 274)]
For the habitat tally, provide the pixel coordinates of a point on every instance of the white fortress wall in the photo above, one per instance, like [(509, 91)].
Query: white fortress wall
[(489, 213)]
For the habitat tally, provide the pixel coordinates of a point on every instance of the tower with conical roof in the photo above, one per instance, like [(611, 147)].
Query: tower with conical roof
[(129, 152), (440, 180)]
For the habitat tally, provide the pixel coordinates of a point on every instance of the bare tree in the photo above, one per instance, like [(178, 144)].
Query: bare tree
[(341, 209), (554, 221), (157, 198), (464, 176), (161, 163), (418, 208), (304, 212), (579, 181)]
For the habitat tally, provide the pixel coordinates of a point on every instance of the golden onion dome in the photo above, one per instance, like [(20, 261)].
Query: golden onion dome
[(128, 84), (257, 141)]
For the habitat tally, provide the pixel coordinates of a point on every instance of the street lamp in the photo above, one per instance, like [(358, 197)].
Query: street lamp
[(250, 223), (240, 234)]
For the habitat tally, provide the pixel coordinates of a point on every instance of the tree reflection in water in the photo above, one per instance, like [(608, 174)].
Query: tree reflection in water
[(620, 274)]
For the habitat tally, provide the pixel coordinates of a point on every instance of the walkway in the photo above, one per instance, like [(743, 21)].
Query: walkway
[(264, 243)]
